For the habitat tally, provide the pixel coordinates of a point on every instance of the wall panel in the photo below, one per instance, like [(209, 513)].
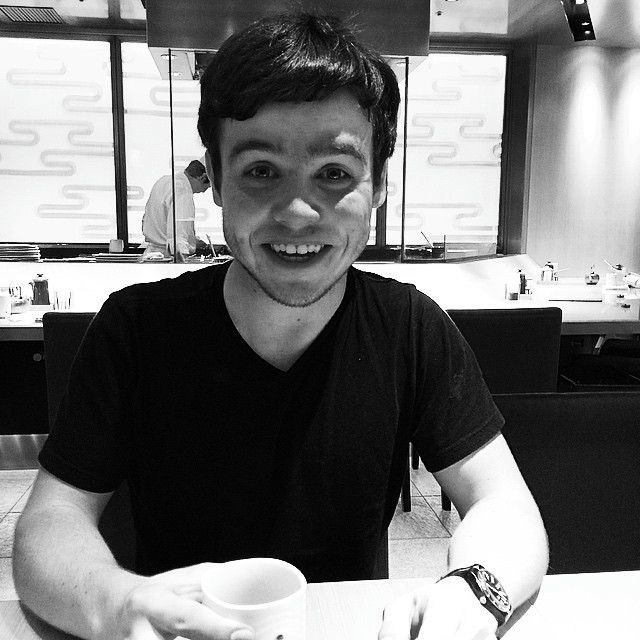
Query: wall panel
[(584, 196)]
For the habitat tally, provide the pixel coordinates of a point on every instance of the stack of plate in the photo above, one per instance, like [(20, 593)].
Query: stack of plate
[(19, 252), (117, 257)]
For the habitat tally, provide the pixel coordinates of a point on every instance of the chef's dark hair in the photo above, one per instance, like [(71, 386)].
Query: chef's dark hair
[(195, 169), (296, 58)]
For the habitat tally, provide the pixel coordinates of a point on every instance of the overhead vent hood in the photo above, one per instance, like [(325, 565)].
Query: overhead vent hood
[(391, 28), (33, 15)]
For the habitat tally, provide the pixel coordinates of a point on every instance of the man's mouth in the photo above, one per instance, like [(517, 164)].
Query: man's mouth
[(296, 251)]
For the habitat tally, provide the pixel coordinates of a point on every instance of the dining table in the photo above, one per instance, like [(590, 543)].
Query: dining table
[(590, 606)]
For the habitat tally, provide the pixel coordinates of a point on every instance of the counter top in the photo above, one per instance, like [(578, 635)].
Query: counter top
[(465, 285), (578, 318)]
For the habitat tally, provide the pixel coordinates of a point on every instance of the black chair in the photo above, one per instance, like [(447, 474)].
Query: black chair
[(63, 332), (518, 351), (578, 453)]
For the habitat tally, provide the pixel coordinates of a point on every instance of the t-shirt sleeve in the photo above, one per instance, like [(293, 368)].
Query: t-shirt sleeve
[(454, 412), (89, 443)]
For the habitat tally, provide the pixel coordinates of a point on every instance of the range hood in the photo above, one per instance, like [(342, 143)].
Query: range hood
[(399, 27)]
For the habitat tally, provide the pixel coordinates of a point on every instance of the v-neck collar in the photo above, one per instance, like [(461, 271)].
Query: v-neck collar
[(308, 355)]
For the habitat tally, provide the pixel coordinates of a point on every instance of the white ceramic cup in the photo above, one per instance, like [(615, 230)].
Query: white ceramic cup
[(265, 593)]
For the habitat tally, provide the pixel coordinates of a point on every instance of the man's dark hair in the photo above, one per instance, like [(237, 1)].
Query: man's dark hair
[(296, 58), (195, 169)]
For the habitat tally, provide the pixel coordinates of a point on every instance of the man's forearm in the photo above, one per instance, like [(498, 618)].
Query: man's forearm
[(65, 573), (507, 537)]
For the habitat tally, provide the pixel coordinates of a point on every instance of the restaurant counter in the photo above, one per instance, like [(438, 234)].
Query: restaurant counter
[(477, 284), (568, 607)]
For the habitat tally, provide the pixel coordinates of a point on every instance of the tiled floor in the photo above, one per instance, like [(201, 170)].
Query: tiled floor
[(418, 540)]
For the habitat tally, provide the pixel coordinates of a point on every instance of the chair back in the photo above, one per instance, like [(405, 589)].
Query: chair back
[(63, 332), (518, 350), (579, 454)]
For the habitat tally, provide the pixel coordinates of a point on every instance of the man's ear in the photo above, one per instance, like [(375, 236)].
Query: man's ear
[(209, 167), (380, 193), (217, 198)]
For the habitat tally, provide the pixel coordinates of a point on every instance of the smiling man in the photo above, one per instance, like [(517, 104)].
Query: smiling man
[(297, 189), (300, 445)]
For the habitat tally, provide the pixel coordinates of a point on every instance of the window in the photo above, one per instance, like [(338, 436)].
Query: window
[(155, 139), (56, 141), (453, 149), (57, 148)]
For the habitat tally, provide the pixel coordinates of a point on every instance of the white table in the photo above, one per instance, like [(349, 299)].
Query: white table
[(568, 607)]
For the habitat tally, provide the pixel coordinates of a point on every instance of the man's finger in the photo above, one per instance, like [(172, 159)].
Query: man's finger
[(185, 581), (398, 619), (185, 617)]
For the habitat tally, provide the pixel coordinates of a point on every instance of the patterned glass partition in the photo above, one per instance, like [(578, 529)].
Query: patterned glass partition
[(56, 141)]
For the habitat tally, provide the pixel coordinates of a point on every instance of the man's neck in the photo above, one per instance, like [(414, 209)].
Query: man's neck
[(279, 334)]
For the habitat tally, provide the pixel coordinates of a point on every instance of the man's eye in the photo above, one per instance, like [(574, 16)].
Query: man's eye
[(261, 171), (334, 173)]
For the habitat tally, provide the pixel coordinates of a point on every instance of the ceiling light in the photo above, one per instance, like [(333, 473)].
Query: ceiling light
[(579, 19), (168, 56)]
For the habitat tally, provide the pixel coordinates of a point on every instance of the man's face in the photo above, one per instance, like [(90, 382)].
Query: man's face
[(203, 183), (296, 191)]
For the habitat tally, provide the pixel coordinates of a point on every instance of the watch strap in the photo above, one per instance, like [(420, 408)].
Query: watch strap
[(487, 589)]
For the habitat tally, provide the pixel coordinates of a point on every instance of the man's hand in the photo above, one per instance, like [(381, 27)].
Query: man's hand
[(202, 248), (168, 605), (447, 610)]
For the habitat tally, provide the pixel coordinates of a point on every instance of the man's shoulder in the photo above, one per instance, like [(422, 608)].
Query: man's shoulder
[(401, 293), (188, 285)]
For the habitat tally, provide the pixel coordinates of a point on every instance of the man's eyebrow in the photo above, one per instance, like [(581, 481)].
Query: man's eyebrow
[(315, 149), (254, 144), (336, 147)]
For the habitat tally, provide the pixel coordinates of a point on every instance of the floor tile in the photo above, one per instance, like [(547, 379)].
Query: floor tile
[(19, 506), (418, 558), (450, 519), (420, 522), (7, 590), (7, 526), (13, 485), (425, 482)]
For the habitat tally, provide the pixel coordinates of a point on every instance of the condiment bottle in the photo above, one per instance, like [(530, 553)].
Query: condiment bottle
[(523, 282)]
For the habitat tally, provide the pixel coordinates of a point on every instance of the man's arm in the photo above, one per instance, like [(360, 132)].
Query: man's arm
[(501, 529), (501, 526), (65, 573)]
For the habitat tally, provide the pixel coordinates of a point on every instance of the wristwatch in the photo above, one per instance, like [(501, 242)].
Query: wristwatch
[(487, 589)]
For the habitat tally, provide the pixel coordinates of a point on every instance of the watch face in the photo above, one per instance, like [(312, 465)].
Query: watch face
[(492, 589)]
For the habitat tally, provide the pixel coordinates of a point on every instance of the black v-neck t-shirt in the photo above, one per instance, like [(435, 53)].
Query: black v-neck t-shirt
[(227, 456)]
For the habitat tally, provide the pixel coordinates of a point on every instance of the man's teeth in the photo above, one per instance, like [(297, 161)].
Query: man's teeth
[(300, 249)]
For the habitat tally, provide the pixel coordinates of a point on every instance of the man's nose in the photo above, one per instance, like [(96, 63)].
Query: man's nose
[(296, 211)]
